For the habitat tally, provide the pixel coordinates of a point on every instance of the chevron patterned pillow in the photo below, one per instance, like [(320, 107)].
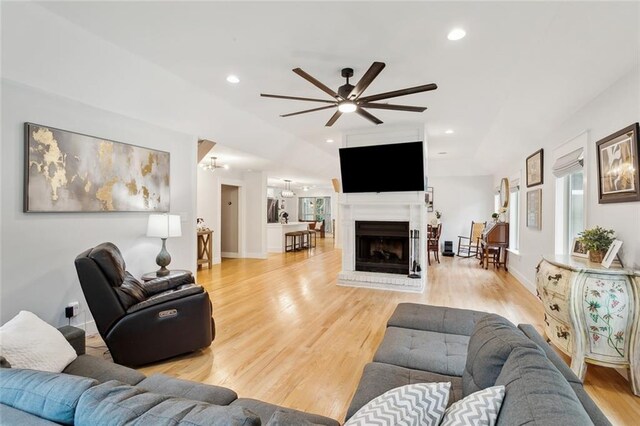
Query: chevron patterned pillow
[(479, 409), (419, 404)]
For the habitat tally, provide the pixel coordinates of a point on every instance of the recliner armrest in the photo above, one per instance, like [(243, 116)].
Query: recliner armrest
[(161, 284), (176, 293)]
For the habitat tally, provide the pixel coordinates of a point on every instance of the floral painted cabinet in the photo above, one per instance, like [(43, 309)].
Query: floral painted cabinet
[(591, 313)]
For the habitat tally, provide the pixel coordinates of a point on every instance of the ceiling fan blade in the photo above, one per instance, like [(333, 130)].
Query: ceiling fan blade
[(366, 79), (295, 98), (333, 118), (401, 92), (394, 107), (308, 110), (368, 116), (316, 83)]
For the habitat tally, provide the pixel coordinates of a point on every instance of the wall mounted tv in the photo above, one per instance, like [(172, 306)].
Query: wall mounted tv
[(383, 168)]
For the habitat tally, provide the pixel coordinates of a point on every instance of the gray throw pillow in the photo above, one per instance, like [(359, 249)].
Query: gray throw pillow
[(4, 363)]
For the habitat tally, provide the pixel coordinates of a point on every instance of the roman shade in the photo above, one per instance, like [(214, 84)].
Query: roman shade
[(569, 163)]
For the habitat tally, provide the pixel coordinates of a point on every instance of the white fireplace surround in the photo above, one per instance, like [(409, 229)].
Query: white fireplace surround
[(392, 207)]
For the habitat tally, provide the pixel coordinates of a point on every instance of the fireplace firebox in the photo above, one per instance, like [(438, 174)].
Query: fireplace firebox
[(382, 247)]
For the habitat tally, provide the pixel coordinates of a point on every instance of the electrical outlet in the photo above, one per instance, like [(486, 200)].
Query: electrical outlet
[(76, 308)]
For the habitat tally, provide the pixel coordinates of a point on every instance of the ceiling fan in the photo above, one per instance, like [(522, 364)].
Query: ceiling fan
[(349, 98)]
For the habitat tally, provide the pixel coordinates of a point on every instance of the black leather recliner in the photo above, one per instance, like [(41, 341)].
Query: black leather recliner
[(143, 322)]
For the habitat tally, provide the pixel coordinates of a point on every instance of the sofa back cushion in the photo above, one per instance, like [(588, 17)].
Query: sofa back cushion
[(537, 393), (490, 344), (116, 403), (51, 396)]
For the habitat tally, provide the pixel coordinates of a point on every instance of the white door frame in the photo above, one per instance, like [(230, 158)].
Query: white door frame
[(241, 215)]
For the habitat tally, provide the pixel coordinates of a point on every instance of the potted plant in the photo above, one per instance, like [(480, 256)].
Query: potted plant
[(495, 216), (438, 216), (597, 241)]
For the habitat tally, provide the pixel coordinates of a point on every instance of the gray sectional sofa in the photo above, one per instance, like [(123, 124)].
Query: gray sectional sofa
[(474, 350)]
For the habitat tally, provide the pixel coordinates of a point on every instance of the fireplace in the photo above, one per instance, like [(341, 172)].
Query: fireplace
[(382, 247)]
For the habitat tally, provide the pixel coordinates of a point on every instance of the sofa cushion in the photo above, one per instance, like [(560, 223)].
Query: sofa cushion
[(288, 418), (597, 416), (29, 342), (103, 370), (165, 385), (537, 393), (491, 342), (435, 318), (424, 350), (13, 416), (378, 378), (417, 404), (478, 409), (116, 403), (51, 396), (265, 411)]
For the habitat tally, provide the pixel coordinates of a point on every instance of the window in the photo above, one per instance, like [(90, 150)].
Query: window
[(514, 219), (570, 195)]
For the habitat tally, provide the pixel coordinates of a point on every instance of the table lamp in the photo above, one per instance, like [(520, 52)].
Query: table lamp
[(163, 226)]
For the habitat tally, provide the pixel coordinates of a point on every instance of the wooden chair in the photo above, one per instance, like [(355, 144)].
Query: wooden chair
[(433, 242), (318, 227), (471, 244)]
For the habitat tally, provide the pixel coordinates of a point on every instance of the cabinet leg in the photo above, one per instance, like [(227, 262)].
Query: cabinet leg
[(579, 367), (634, 378)]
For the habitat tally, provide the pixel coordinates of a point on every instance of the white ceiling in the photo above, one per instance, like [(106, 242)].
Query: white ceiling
[(522, 69)]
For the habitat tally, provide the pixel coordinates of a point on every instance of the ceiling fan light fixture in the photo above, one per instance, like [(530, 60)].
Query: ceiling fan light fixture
[(347, 107), (456, 34)]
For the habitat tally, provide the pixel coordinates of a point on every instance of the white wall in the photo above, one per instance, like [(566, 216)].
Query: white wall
[(461, 199), (612, 110), (38, 249)]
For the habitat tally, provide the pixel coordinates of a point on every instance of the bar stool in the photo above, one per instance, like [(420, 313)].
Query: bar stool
[(290, 241), (311, 237), (302, 239)]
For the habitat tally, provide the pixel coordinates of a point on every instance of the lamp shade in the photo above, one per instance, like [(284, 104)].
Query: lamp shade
[(164, 226)]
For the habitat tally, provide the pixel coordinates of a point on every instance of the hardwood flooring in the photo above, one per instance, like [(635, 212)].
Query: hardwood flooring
[(287, 334)]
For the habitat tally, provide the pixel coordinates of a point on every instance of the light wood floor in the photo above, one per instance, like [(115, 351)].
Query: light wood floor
[(287, 334)]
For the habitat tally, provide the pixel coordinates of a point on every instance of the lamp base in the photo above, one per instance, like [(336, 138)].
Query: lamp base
[(162, 260)]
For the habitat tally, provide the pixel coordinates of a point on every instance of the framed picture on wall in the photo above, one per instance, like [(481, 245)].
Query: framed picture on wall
[(534, 209), (535, 168), (428, 198), (618, 166)]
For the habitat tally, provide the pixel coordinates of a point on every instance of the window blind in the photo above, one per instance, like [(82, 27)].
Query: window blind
[(569, 163)]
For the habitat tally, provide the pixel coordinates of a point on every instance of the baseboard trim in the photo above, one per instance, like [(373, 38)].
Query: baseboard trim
[(523, 280), (256, 255), (231, 254)]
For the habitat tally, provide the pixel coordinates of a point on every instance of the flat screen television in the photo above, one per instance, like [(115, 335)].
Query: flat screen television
[(383, 168)]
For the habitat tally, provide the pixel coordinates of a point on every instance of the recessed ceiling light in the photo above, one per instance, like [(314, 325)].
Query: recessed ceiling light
[(226, 167), (233, 79), (442, 152), (329, 140), (456, 34), (449, 132), (305, 188)]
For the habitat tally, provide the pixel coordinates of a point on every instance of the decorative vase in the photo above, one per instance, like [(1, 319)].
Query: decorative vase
[(596, 256)]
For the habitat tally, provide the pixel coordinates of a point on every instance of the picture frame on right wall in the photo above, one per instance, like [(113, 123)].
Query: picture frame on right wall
[(534, 209), (535, 168), (618, 166)]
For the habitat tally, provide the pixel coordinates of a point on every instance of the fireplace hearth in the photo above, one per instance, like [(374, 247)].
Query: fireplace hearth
[(382, 247)]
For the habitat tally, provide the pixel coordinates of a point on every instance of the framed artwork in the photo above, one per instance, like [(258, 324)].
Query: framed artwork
[(611, 253), (428, 198), (535, 168), (618, 166), (578, 249), (534, 209), (71, 172)]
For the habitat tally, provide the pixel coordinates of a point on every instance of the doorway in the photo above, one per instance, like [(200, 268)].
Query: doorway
[(229, 221)]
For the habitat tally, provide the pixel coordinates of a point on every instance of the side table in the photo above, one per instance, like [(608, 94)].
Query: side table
[(205, 248), (172, 273)]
